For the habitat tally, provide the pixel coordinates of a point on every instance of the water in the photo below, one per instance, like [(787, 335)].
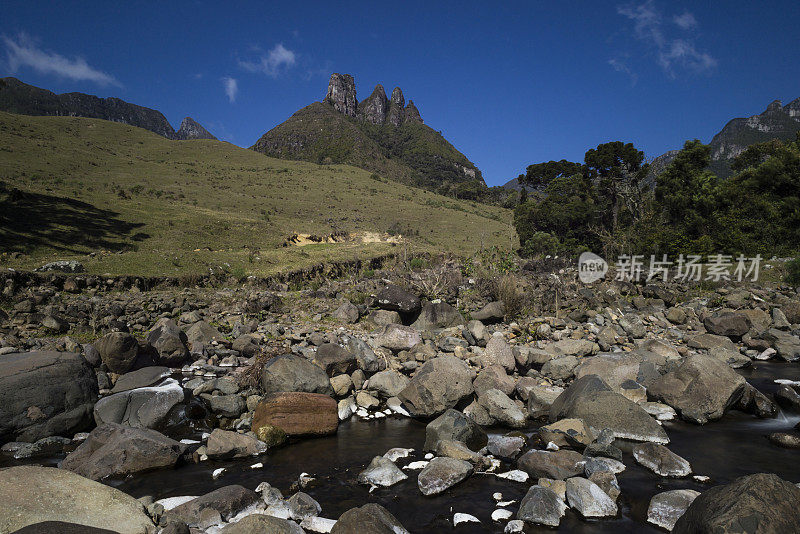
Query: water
[(724, 450)]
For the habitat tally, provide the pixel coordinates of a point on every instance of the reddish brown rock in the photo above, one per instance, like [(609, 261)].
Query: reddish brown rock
[(298, 414)]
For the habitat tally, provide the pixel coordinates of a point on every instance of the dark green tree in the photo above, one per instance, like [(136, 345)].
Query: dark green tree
[(616, 170)]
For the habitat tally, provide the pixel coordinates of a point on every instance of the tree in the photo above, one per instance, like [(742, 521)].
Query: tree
[(540, 174), (617, 171)]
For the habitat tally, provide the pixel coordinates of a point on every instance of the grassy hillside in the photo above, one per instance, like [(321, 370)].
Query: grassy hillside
[(125, 200), (412, 153)]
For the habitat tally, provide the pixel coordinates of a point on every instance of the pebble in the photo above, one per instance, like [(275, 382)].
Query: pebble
[(516, 475), (217, 473), (429, 456), (497, 496), (701, 478), (259, 465), (515, 525), (501, 514), (420, 464), (397, 453), (317, 524)]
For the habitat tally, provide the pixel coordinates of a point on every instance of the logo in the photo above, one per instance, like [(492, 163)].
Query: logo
[(591, 267)]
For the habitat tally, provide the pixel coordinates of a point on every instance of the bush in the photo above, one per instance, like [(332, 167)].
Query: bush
[(418, 263), (793, 271), (541, 244), (508, 291)]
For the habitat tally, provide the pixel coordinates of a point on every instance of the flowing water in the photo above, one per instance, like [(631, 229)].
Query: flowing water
[(723, 450)]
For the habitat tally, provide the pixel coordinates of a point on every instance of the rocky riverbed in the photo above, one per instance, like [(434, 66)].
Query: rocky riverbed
[(401, 401)]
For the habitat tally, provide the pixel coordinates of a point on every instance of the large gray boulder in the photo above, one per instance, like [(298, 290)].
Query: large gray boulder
[(117, 450), (439, 315), (227, 501), (439, 384), (501, 409), (588, 499), (146, 407), (224, 444), (498, 352), (388, 383), (170, 342), (397, 337), (45, 394), (32, 494), (661, 460), (396, 299), (371, 518), (381, 472), (755, 503), (454, 425), (590, 399), (366, 359), (558, 465), (541, 506), (728, 324), (294, 373), (667, 507), (702, 389), (260, 524), (442, 473), (121, 352), (335, 359), (202, 333)]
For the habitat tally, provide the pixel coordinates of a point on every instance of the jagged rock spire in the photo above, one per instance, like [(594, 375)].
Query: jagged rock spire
[(412, 113), (342, 94), (375, 107)]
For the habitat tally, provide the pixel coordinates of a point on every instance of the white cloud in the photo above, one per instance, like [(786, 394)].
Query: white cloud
[(272, 63), (22, 51), (685, 21), (672, 53), (231, 88), (620, 65)]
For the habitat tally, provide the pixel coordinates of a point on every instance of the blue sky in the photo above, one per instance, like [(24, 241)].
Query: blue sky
[(508, 83)]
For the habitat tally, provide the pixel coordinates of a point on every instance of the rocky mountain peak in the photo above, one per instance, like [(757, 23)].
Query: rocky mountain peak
[(412, 113), (342, 94), (397, 97), (191, 129), (375, 107), (775, 105)]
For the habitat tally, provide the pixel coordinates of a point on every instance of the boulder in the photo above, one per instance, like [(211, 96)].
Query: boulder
[(541, 506), (558, 465), (702, 388), (786, 345), (121, 352), (439, 315), (494, 377), (117, 450), (454, 425), (491, 313), (366, 359), (667, 507), (393, 298), (146, 407), (567, 433), (334, 359), (728, 324), (297, 414), (371, 518), (388, 383), (294, 373), (227, 501), (170, 343), (439, 384), (30, 495), (346, 313), (381, 472), (224, 444), (588, 499), (202, 333), (560, 368), (45, 394), (498, 352), (397, 337), (502, 409), (259, 524), (755, 503), (302, 506), (590, 399), (661, 461), (441, 474), (141, 378)]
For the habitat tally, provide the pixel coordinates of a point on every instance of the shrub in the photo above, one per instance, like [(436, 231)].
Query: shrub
[(541, 244), (793, 271), (509, 292)]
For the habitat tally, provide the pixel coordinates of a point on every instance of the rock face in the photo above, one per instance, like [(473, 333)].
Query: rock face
[(116, 450), (19, 97), (294, 373), (438, 385), (297, 414), (375, 107), (754, 503), (191, 129), (146, 407), (45, 394), (701, 389), (371, 518), (31, 495), (590, 399), (342, 94)]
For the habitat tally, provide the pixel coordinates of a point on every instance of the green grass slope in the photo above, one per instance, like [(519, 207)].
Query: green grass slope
[(412, 153), (124, 200)]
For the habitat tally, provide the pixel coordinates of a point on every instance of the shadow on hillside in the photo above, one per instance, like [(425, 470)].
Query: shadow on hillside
[(29, 221)]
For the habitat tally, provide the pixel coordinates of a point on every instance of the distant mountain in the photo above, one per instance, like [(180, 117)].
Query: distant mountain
[(23, 99), (776, 122), (380, 134)]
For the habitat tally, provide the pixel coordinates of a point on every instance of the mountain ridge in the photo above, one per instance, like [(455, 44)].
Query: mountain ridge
[(25, 99)]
